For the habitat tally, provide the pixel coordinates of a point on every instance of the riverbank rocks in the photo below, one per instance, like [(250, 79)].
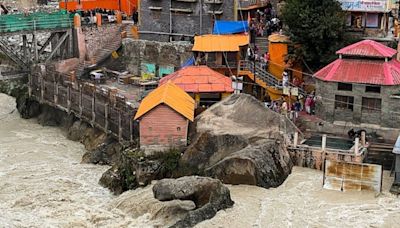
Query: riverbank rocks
[(141, 202), (27, 107), (134, 169), (239, 141), (209, 195), (50, 116)]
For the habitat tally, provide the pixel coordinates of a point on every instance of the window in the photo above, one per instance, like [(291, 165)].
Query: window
[(345, 86), (372, 20), (150, 129), (371, 104), (344, 102), (373, 89), (178, 128)]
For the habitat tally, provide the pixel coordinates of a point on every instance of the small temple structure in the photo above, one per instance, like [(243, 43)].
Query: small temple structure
[(361, 85), (164, 117)]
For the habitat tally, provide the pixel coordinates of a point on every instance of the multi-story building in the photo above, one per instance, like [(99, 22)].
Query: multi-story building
[(246, 7), (164, 20), (368, 18)]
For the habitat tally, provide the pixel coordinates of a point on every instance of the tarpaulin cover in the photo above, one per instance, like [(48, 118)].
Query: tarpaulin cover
[(230, 27), (189, 62)]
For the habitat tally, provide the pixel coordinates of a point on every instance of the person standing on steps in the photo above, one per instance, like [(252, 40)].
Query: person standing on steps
[(284, 108), (135, 17), (307, 104), (285, 79)]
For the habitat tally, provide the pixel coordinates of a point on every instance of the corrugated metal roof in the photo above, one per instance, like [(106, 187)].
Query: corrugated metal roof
[(368, 48), (200, 79), (171, 95), (377, 72), (220, 43)]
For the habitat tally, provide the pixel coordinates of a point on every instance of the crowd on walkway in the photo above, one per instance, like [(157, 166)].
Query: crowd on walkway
[(265, 23), (292, 110)]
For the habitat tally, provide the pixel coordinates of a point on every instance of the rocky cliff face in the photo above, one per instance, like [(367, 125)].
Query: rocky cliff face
[(17, 88), (239, 141)]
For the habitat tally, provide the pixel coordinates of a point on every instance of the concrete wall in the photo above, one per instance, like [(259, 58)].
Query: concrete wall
[(389, 116), (182, 23), (159, 129), (163, 55)]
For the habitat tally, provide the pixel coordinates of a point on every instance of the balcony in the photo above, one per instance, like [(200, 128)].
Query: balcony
[(187, 1), (155, 8), (213, 1), (216, 12), (179, 10)]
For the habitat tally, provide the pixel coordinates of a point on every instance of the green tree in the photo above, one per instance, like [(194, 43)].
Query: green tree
[(318, 26)]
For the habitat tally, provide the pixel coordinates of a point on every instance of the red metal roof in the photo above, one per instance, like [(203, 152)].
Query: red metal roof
[(365, 71), (199, 79), (368, 48)]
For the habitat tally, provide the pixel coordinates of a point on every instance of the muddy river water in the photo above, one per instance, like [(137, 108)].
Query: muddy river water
[(43, 184)]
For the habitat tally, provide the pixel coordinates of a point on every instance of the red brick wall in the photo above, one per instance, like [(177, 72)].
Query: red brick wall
[(159, 127)]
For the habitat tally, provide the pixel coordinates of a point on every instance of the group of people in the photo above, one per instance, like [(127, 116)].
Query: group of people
[(291, 110), (265, 23), (253, 54)]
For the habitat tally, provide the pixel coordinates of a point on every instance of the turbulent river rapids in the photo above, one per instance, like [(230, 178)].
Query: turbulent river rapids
[(43, 184)]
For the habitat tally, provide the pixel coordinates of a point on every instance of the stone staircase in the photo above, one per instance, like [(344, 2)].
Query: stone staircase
[(104, 52), (99, 56), (262, 44), (380, 154), (12, 54)]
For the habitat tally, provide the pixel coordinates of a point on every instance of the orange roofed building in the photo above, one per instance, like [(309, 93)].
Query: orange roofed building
[(202, 83), (221, 52), (164, 117)]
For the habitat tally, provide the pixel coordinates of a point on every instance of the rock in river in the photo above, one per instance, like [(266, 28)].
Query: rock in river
[(209, 195), (239, 141)]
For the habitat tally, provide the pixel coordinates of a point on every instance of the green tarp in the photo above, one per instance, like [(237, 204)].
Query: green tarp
[(35, 21)]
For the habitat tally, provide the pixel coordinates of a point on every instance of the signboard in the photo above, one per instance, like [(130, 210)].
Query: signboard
[(345, 176), (364, 5), (237, 83)]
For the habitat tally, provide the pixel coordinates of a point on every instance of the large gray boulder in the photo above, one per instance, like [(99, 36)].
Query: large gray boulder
[(239, 141), (209, 196)]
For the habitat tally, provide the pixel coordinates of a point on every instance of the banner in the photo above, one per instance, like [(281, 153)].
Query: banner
[(364, 5)]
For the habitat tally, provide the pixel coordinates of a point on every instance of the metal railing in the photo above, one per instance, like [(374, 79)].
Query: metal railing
[(34, 22), (258, 70), (215, 65), (5, 48)]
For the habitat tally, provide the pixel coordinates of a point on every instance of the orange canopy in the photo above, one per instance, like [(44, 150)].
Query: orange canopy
[(171, 95), (220, 43)]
